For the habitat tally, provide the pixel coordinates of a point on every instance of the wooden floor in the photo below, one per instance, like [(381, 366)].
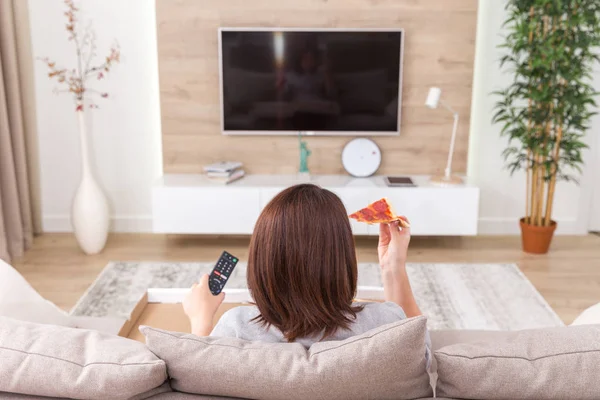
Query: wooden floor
[(568, 277)]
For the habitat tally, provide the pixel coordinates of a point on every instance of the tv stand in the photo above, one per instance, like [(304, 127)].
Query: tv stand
[(192, 204)]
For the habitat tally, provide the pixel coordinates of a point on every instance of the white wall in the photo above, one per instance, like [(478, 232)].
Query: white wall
[(594, 225), (124, 132), (503, 196)]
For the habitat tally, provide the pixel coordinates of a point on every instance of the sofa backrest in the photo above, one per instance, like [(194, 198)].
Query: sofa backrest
[(44, 360)]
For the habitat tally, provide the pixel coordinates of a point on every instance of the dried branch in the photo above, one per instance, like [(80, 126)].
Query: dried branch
[(85, 47)]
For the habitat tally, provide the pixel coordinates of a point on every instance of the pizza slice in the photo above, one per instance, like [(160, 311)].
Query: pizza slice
[(379, 212)]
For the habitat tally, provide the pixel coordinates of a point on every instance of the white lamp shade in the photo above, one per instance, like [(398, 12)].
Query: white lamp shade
[(434, 97)]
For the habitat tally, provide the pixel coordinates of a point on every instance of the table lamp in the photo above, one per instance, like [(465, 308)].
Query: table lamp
[(433, 100)]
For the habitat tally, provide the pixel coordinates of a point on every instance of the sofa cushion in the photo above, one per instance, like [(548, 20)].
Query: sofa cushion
[(447, 337), (443, 338), (385, 363), (550, 363), (162, 396), (160, 393), (188, 396), (53, 361)]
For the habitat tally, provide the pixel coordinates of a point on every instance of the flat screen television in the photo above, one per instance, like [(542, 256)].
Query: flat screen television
[(317, 81)]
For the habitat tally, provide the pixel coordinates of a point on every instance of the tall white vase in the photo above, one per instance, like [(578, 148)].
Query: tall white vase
[(90, 215)]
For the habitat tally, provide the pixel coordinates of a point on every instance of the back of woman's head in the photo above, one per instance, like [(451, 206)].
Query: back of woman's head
[(302, 268)]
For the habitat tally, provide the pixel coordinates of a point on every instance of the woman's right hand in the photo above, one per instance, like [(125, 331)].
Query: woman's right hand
[(393, 249), (393, 246)]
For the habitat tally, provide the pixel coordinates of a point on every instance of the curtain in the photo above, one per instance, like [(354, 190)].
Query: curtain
[(16, 216)]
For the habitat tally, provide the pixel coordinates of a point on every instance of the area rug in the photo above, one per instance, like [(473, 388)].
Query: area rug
[(452, 296)]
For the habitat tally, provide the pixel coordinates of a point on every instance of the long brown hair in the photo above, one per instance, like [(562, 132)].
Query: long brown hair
[(302, 268)]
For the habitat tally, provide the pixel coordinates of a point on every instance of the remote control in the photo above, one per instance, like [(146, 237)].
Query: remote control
[(221, 272)]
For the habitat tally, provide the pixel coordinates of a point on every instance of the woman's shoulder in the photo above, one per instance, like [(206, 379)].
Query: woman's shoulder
[(240, 314), (387, 311), (373, 315), (233, 321)]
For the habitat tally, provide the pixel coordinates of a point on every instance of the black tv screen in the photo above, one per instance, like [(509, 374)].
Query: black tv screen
[(317, 81)]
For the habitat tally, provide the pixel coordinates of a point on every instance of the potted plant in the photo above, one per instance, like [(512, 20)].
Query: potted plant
[(89, 210), (551, 46)]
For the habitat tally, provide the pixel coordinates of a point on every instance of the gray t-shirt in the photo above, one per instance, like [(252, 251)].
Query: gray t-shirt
[(238, 323)]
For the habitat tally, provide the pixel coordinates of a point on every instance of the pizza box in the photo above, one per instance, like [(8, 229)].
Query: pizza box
[(162, 308)]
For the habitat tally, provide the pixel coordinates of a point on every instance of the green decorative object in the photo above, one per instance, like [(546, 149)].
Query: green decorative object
[(304, 153)]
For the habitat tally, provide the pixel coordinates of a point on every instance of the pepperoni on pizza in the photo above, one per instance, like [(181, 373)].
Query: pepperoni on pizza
[(379, 212)]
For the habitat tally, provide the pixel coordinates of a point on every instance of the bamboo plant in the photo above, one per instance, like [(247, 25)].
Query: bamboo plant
[(550, 47)]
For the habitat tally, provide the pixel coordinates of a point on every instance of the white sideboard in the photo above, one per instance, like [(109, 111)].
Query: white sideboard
[(192, 204)]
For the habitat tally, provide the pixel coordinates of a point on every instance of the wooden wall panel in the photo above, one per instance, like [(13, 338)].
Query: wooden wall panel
[(439, 51)]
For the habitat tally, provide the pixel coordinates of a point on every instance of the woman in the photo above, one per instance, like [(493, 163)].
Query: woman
[(302, 274)]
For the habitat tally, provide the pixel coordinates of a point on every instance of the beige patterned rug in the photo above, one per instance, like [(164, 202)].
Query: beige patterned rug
[(452, 296)]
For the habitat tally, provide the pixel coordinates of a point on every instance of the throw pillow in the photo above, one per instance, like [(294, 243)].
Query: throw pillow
[(590, 316), (550, 363), (54, 361), (385, 363)]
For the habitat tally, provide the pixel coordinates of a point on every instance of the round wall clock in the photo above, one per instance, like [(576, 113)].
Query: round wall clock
[(361, 157)]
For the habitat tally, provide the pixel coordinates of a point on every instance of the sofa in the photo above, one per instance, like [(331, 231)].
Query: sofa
[(39, 361)]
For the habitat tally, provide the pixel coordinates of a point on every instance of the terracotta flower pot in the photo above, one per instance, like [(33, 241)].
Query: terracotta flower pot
[(536, 239)]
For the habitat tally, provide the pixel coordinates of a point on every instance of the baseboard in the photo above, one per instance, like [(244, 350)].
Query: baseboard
[(119, 223), (510, 226)]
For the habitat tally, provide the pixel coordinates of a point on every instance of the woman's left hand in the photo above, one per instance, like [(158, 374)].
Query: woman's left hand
[(393, 246), (200, 305)]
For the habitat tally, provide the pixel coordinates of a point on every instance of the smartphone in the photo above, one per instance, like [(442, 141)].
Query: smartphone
[(399, 181)]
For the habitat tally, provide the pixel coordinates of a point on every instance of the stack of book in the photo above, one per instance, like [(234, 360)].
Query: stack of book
[(224, 172)]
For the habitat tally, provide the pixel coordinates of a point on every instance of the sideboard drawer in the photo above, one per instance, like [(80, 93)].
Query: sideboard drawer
[(210, 210)]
